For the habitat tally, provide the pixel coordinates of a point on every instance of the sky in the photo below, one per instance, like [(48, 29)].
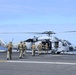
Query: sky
[(37, 16)]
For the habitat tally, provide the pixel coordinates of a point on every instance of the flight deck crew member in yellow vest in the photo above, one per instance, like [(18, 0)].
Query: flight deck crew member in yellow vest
[(39, 48), (9, 51), (33, 47), (24, 48), (20, 47)]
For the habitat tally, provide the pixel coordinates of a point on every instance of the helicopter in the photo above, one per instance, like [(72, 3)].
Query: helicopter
[(55, 45)]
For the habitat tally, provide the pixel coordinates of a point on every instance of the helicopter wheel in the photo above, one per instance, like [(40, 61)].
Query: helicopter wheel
[(58, 52)]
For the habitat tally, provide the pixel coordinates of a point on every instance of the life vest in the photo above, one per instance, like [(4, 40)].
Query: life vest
[(39, 46), (20, 46), (9, 46), (24, 46), (33, 47)]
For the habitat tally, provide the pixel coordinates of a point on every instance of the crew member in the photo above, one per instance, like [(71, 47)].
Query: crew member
[(24, 49), (33, 47), (39, 48), (46, 47), (9, 51), (20, 47)]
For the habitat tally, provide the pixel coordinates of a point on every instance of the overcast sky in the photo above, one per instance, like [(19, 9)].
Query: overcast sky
[(37, 16)]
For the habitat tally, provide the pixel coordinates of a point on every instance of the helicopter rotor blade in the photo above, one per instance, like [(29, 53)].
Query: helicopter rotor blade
[(20, 33), (68, 32), (46, 32)]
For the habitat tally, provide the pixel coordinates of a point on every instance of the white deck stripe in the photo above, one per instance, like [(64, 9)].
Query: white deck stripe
[(40, 62)]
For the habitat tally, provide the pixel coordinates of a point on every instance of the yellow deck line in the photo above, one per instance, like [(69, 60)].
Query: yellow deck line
[(2, 60)]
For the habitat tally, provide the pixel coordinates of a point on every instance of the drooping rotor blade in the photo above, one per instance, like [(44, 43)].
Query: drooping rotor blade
[(20, 33), (46, 32), (10, 32), (68, 32)]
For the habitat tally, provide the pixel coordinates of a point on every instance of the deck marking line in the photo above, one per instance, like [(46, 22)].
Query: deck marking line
[(41, 62)]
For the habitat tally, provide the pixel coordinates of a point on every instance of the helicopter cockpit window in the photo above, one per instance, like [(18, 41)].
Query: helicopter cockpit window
[(64, 44), (68, 43)]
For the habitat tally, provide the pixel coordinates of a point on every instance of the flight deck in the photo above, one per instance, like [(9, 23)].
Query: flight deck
[(45, 64)]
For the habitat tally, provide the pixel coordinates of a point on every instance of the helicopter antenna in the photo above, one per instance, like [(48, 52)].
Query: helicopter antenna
[(12, 39)]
